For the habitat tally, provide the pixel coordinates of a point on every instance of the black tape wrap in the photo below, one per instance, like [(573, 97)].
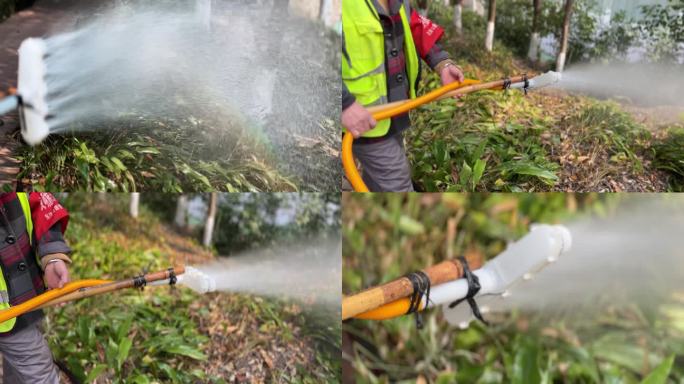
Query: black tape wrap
[(421, 288), (473, 288), (139, 281), (172, 277), (526, 82), (507, 83)]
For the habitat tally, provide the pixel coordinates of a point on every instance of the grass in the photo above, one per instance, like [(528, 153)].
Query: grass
[(669, 156), (174, 335), (389, 235), (547, 141)]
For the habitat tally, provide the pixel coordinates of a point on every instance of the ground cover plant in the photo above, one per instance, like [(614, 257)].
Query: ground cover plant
[(546, 141), (175, 335)]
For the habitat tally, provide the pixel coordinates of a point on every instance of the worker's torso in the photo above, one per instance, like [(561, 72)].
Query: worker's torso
[(22, 278), (382, 64)]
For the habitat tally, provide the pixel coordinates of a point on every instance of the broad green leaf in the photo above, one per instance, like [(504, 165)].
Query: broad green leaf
[(186, 351), (124, 348), (95, 372), (478, 171), (660, 374)]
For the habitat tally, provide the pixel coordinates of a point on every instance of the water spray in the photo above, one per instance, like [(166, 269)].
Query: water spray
[(187, 276), (451, 282), (390, 110)]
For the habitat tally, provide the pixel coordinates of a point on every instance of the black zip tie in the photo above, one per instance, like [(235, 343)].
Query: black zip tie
[(139, 282), (172, 277), (526, 85), (507, 84), (421, 287), (473, 288)]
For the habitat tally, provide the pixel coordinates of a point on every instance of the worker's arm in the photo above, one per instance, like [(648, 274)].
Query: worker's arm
[(53, 252), (50, 220)]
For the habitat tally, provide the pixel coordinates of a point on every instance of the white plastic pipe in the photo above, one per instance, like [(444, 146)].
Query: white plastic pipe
[(541, 81), (32, 88), (194, 279), (520, 261)]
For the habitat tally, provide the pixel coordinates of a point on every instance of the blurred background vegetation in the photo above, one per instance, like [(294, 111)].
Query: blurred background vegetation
[(174, 335), (389, 235)]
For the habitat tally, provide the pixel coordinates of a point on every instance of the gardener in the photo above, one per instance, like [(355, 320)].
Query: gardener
[(33, 254), (383, 41)]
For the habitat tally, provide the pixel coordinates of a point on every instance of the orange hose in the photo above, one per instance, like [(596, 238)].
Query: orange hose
[(393, 109), (37, 301), (388, 311), (390, 111)]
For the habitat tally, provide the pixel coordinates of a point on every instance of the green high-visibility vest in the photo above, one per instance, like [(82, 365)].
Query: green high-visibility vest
[(363, 65), (4, 292)]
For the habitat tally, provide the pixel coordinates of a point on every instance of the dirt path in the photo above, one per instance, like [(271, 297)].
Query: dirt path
[(41, 19)]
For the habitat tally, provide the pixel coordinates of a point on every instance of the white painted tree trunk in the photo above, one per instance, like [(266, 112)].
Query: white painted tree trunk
[(491, 20), (489, 39), (180, 220), (134, 207), (458, 18), (211, 219), (560, 62), (533, 51)]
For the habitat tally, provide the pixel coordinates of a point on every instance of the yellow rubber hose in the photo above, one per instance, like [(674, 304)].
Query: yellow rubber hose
[(39, 300), (391, 110), (388, 311)]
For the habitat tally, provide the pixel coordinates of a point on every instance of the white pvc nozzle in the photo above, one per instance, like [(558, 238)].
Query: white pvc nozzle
[(32, 88), (197, 280), (519, 262), (548, 78), (541, 81)]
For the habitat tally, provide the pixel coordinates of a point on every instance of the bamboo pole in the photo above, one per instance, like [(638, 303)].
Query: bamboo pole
[(110, 287), (375, 297), (473, 86)]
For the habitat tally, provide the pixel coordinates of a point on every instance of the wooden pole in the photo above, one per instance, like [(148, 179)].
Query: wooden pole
[(375, 297), (110, 287), (461, 91)]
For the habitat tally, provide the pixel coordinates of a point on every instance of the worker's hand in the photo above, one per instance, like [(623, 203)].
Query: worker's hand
[(357, 120), (56, 274), (451, 73)]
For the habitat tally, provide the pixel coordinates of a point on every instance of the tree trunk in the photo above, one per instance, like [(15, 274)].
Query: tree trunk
[(560, 63), (180, 220), (458, 16), (422, 7), (134, 207), (533, 52), (211, 219), (489, 39)]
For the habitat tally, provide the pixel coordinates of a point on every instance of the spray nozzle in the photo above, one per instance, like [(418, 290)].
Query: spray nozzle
[(196, 280), (32, 91), (520, 262)]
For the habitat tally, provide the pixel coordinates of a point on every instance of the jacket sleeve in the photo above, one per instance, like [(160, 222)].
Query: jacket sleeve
[(426, 34), (347, 98), (52, 242)]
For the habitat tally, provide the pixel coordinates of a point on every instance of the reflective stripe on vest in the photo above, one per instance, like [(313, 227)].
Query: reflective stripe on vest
[(4, 294), (363, 70)]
